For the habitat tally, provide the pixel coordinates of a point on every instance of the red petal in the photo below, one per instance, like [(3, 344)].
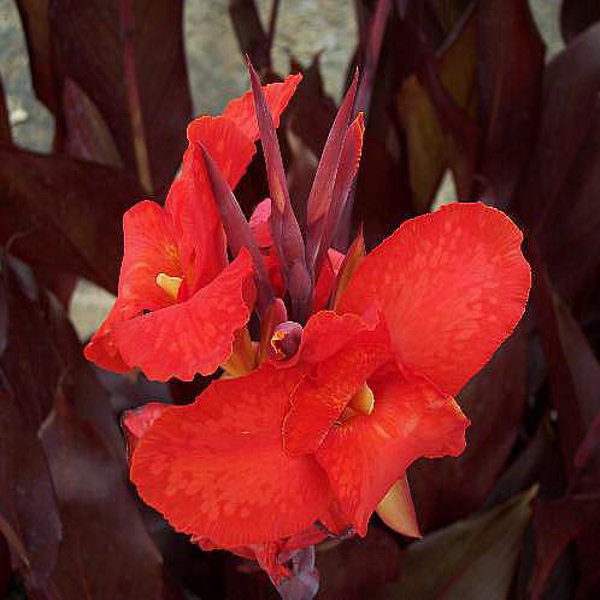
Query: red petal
[(191, 203), (278, 95), (327, 333), (230, 148), (192, 336), (196, 221), (216, 469), (149, 249), (453, 284), (136, 422), (322, 396), (366, 455), (102, 348)]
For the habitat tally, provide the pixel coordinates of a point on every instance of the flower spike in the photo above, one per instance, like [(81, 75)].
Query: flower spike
[(285, 230)]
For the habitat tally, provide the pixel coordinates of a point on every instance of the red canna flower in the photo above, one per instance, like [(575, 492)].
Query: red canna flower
[(179, 302), (312, 443)]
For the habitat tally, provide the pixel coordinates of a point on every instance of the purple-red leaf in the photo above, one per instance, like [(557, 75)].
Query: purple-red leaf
[(576, 16), (5, 135), (110, 59), (510, 56), (557, 523), (251, 36), (65, 213), (357, 568), (558, 199), (29, 518), (573, 369), (474, 558)]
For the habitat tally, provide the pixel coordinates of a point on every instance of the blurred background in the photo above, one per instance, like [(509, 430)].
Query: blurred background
[(491, 100)]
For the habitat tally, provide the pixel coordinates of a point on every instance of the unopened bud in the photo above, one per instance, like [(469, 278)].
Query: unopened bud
[(285, 340)]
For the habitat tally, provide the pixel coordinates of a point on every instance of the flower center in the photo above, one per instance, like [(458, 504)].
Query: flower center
[(362, 403), (170, 285)]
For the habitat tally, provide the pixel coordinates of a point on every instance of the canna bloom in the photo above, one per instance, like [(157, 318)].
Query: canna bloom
[(313, 444), (359, 357), (180, 302)]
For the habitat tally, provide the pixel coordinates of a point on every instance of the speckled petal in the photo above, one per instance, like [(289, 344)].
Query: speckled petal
[(278, 95), (192, 336), (150, 249), (367, 454), (322, 397), (217, 470), (452, 285)]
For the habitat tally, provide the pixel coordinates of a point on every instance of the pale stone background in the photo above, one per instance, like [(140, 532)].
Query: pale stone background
[(217, 73)]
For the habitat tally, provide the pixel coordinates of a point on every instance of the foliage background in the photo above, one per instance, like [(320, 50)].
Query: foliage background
[(513, 123)]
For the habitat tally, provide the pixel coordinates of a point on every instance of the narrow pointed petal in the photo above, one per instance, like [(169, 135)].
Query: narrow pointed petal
[(347, 169), (355, 255), (277, 96), (452, 286), (216, 468), (239, 234), (366, 455), (397, 510), (192, 336), (319, 199), (285, 230), (327, 278)]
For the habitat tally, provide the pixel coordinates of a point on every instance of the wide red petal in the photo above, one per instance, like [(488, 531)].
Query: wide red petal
[(452, 285), (150, 248), (217, 470), (278, 95), (367, 454), (102, 349), (192, 336)]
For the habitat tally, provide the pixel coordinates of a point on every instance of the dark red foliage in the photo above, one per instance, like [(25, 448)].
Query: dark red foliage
[(458, 86)]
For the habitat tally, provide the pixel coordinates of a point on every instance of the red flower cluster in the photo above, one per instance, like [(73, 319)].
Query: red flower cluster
[(332, 406)]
